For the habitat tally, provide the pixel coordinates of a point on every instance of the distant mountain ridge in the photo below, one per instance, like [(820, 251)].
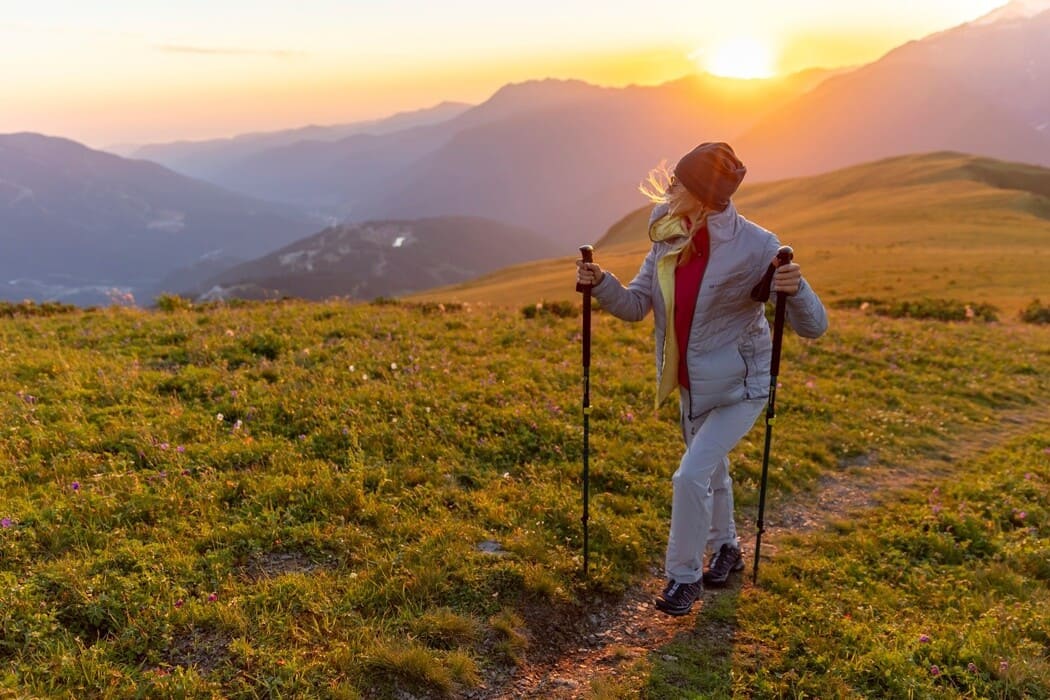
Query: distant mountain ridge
[(978, 88), (75, 222), (380, 259), (204, 159), (555, 156), (566, 170), (1013, 11), (564, 158)]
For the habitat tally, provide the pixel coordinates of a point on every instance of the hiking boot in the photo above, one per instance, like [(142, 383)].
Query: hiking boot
[(723, 562), (678, 598)]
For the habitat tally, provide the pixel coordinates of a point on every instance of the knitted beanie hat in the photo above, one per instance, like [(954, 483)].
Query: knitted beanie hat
[(711, 172)]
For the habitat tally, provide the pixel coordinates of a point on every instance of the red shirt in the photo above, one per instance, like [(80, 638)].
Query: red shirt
[(687, 280)]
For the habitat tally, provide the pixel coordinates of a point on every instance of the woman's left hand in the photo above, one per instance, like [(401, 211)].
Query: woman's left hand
[(787, 279)]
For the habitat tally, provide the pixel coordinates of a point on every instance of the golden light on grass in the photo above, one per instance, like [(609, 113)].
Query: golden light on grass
[(738, 57)]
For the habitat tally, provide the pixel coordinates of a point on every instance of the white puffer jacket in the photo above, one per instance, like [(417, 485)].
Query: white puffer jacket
[(728, 349)]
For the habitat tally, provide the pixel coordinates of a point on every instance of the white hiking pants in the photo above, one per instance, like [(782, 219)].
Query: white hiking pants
[(702, 505)]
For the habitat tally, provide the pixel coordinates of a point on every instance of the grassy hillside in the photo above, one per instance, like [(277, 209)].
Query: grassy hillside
[(942, 225), (325, 500)]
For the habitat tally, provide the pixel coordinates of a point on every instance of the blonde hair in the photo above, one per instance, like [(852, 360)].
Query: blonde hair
[(658, 187), (656, 184)]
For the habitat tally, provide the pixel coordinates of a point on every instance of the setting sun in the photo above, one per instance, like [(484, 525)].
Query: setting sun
[(738, 57)]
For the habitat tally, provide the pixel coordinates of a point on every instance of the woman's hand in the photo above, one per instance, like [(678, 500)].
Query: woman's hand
[(589, 274), (787, 279)]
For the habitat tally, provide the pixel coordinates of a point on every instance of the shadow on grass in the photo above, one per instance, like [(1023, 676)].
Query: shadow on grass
[(698, 662)]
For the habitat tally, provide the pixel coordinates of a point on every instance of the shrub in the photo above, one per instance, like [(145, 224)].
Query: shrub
[(1036, 313), (31, 308), (431, 307), (558, 309), (924, 309), (173, 302)]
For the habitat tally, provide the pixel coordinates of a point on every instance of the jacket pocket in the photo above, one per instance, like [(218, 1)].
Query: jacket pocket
[(716, 378), (755, 350)]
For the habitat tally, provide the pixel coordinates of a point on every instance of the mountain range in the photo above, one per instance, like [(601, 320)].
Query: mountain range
[(76, 223), (979, 88), (207, 159), (560, 158), (564, 158)]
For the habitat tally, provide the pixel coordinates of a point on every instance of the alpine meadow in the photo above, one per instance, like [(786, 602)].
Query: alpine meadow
[(383, 499)]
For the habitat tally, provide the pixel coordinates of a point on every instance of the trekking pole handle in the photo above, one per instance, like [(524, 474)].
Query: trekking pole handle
[(587, 255), (761, 291)]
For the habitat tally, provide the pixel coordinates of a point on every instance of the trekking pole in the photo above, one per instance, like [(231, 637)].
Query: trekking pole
[(761, 293), (587, 253)]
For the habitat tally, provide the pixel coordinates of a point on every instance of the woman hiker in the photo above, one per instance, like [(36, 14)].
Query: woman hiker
[(712, 343)]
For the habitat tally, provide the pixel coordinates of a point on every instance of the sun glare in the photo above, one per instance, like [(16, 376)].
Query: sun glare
[(739, 57)]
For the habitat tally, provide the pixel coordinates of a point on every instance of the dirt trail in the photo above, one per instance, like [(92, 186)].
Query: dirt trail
[(616, 634)]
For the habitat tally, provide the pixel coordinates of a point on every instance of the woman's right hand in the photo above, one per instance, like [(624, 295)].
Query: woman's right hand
[(588, 273)]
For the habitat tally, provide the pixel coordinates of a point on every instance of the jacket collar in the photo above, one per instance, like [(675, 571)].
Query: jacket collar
[(721, 226)]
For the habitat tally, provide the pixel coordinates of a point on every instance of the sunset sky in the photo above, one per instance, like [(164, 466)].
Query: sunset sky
[(120, 71)]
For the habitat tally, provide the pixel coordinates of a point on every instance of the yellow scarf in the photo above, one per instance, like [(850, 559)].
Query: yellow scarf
[(668, 228)]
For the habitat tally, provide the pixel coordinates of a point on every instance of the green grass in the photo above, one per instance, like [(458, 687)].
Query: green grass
[(304, 500), (942, 593)]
